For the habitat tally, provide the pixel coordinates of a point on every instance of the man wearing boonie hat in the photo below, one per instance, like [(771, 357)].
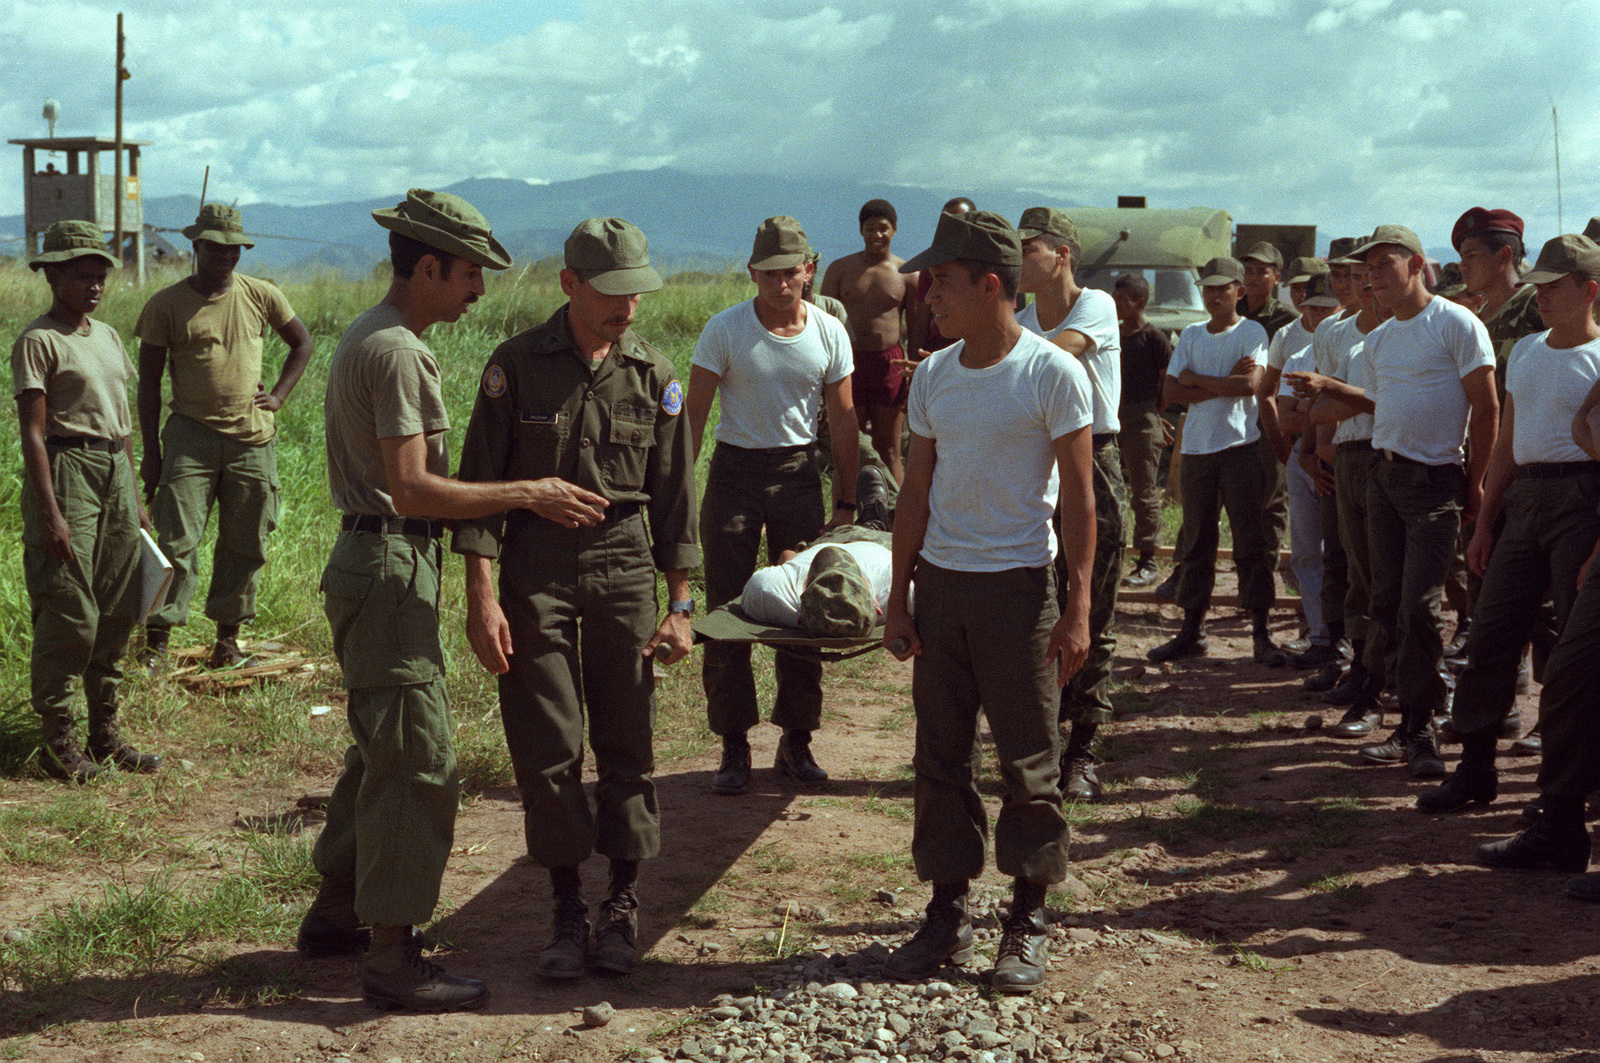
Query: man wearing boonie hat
[(775, 363), (1544, 482), (871, 286), (584, 407), (1215, 370), (1291, 350), (391, 818), (989, 633), (80, 506), (1082, 322), (1430, 377), (1342, 414), (218, 445)]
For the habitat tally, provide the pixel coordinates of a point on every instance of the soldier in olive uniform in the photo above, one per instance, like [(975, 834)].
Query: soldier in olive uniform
[(391, 818), (574, 632)]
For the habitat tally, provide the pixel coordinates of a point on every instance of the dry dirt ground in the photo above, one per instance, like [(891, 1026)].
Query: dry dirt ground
[(1243, 883)]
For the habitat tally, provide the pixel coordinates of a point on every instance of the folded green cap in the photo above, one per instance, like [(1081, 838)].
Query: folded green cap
[(1388, 234), (1042, 221), (780, 244), (1572, 253), (1339, 249), (975, 235), (1304, 268), (446, 223), (1221, 270), (67, 240), (614, 255), (836, 601), (1265, 252), (219, 223), (1592, 230), (1318, 291)]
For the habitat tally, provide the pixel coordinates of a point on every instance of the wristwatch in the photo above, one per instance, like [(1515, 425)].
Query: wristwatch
[(686, 607)]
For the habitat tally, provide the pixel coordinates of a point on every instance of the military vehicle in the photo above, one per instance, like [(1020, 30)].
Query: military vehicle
[(1167, 246)]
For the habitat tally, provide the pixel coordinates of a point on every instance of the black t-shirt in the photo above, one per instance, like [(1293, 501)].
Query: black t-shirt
[(1145, 355)]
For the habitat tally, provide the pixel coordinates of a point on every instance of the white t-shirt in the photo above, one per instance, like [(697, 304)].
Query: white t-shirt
[(772, 594), (1327, 357), (1414, 372), (1547, 385), (1095, 315), (1349, 348), (1216, 424), (1289, 351), (771, 386), (994, 430)]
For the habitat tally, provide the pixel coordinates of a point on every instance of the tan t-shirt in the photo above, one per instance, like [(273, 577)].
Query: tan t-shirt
[(214, 348), (84, 378), (383, 382)]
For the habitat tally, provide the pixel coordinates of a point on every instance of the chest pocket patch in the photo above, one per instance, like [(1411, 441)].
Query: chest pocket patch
[(633, 426)]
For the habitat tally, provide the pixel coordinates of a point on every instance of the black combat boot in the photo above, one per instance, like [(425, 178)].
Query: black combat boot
[(106, 746), (1190, 641), (944, 937), (563, 957), (616, 936), (396, 976), (62, 758), (1078, 779), (794, 758), (1019, 965), (733, 776), (330, 926)]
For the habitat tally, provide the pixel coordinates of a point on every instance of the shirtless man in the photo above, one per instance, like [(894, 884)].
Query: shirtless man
[(876, 294)]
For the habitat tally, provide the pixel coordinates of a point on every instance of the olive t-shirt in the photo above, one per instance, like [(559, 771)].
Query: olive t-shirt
[(84, 378), (383, 383), (214, 347)]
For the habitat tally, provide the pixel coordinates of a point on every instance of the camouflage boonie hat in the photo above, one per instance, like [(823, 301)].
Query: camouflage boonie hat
[(219, 223), (1571, 253), (1042, 221), (445, 223), (1221, 270), (976, 236), (780, 243), (1304, 268), (67, 240), (836, 601), (614, 255)]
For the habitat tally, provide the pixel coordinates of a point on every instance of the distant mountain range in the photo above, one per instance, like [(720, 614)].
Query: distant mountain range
[(693, 221)]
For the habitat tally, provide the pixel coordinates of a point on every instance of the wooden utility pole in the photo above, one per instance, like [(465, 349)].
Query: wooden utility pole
[(119, 191)]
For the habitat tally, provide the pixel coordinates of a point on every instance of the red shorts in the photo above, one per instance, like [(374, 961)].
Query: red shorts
[(877, 381)]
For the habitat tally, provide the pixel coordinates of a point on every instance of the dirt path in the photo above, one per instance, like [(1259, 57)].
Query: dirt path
[(1243, 887)]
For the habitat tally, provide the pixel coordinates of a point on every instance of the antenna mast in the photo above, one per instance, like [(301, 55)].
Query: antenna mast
[(1555, 121)]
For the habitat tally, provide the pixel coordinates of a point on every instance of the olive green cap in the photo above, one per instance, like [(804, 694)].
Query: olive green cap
[(67, 240), (1221, 270), (614, 256), (1265, 252), (836, 601), (975, 235), (1043, 221), (1318, 291), (1592, 230), (1388, 234), (1572, 253), (219, 223), (780, 244), (1339, 249), (445, 223), (1304, 268)]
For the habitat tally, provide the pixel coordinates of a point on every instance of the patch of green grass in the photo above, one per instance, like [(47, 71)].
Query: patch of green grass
[(1257, 963), (703, 913), (281, 862), (89, 821), (895, 809), (770, 860), (884, 862), (1342, 888)]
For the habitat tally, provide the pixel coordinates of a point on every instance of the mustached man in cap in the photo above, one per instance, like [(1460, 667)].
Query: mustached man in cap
[(1082, 322), (1430, 378), (775, 362), (391, 819), (583, 405), (1215, 371), (218, 446), (989, 633), (1535, 530), (80, 505)]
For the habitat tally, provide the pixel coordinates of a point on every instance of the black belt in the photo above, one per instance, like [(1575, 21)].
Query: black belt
[(1352, 444), (1401, 459), (371, 522), (110, 446), (768, 452), (1549, 470), (615, 513), (1100, 439)]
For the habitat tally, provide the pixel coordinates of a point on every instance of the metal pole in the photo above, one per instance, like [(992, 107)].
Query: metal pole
[(117, 194), (1556, 122)]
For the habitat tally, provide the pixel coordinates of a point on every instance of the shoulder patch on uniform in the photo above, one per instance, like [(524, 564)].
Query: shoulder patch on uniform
[(672, 399), (494, 382)]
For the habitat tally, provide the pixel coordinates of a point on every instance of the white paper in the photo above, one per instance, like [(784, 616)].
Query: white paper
[(155, 575)]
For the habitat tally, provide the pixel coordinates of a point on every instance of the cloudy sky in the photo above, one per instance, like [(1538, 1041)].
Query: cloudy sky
[(1342, 113)]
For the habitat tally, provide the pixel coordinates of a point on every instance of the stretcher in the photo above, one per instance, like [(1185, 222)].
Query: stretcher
[(730, 623)]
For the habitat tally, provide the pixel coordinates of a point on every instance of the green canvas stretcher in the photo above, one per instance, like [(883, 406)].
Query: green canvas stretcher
[(730, 623)]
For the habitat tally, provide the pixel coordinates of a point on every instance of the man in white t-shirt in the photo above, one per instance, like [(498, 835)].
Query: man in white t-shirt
[(1547, 488), (988, 632), (774, 360), (1215, 370), (1430, 376), (1082, 322)]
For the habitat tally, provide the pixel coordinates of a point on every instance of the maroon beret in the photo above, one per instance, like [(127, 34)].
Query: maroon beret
[(1479, 220)]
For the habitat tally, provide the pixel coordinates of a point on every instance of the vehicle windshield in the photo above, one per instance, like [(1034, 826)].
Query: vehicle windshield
[(1170, 289)]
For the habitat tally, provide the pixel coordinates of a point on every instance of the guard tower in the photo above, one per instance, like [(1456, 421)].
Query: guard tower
[(85, 191)]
